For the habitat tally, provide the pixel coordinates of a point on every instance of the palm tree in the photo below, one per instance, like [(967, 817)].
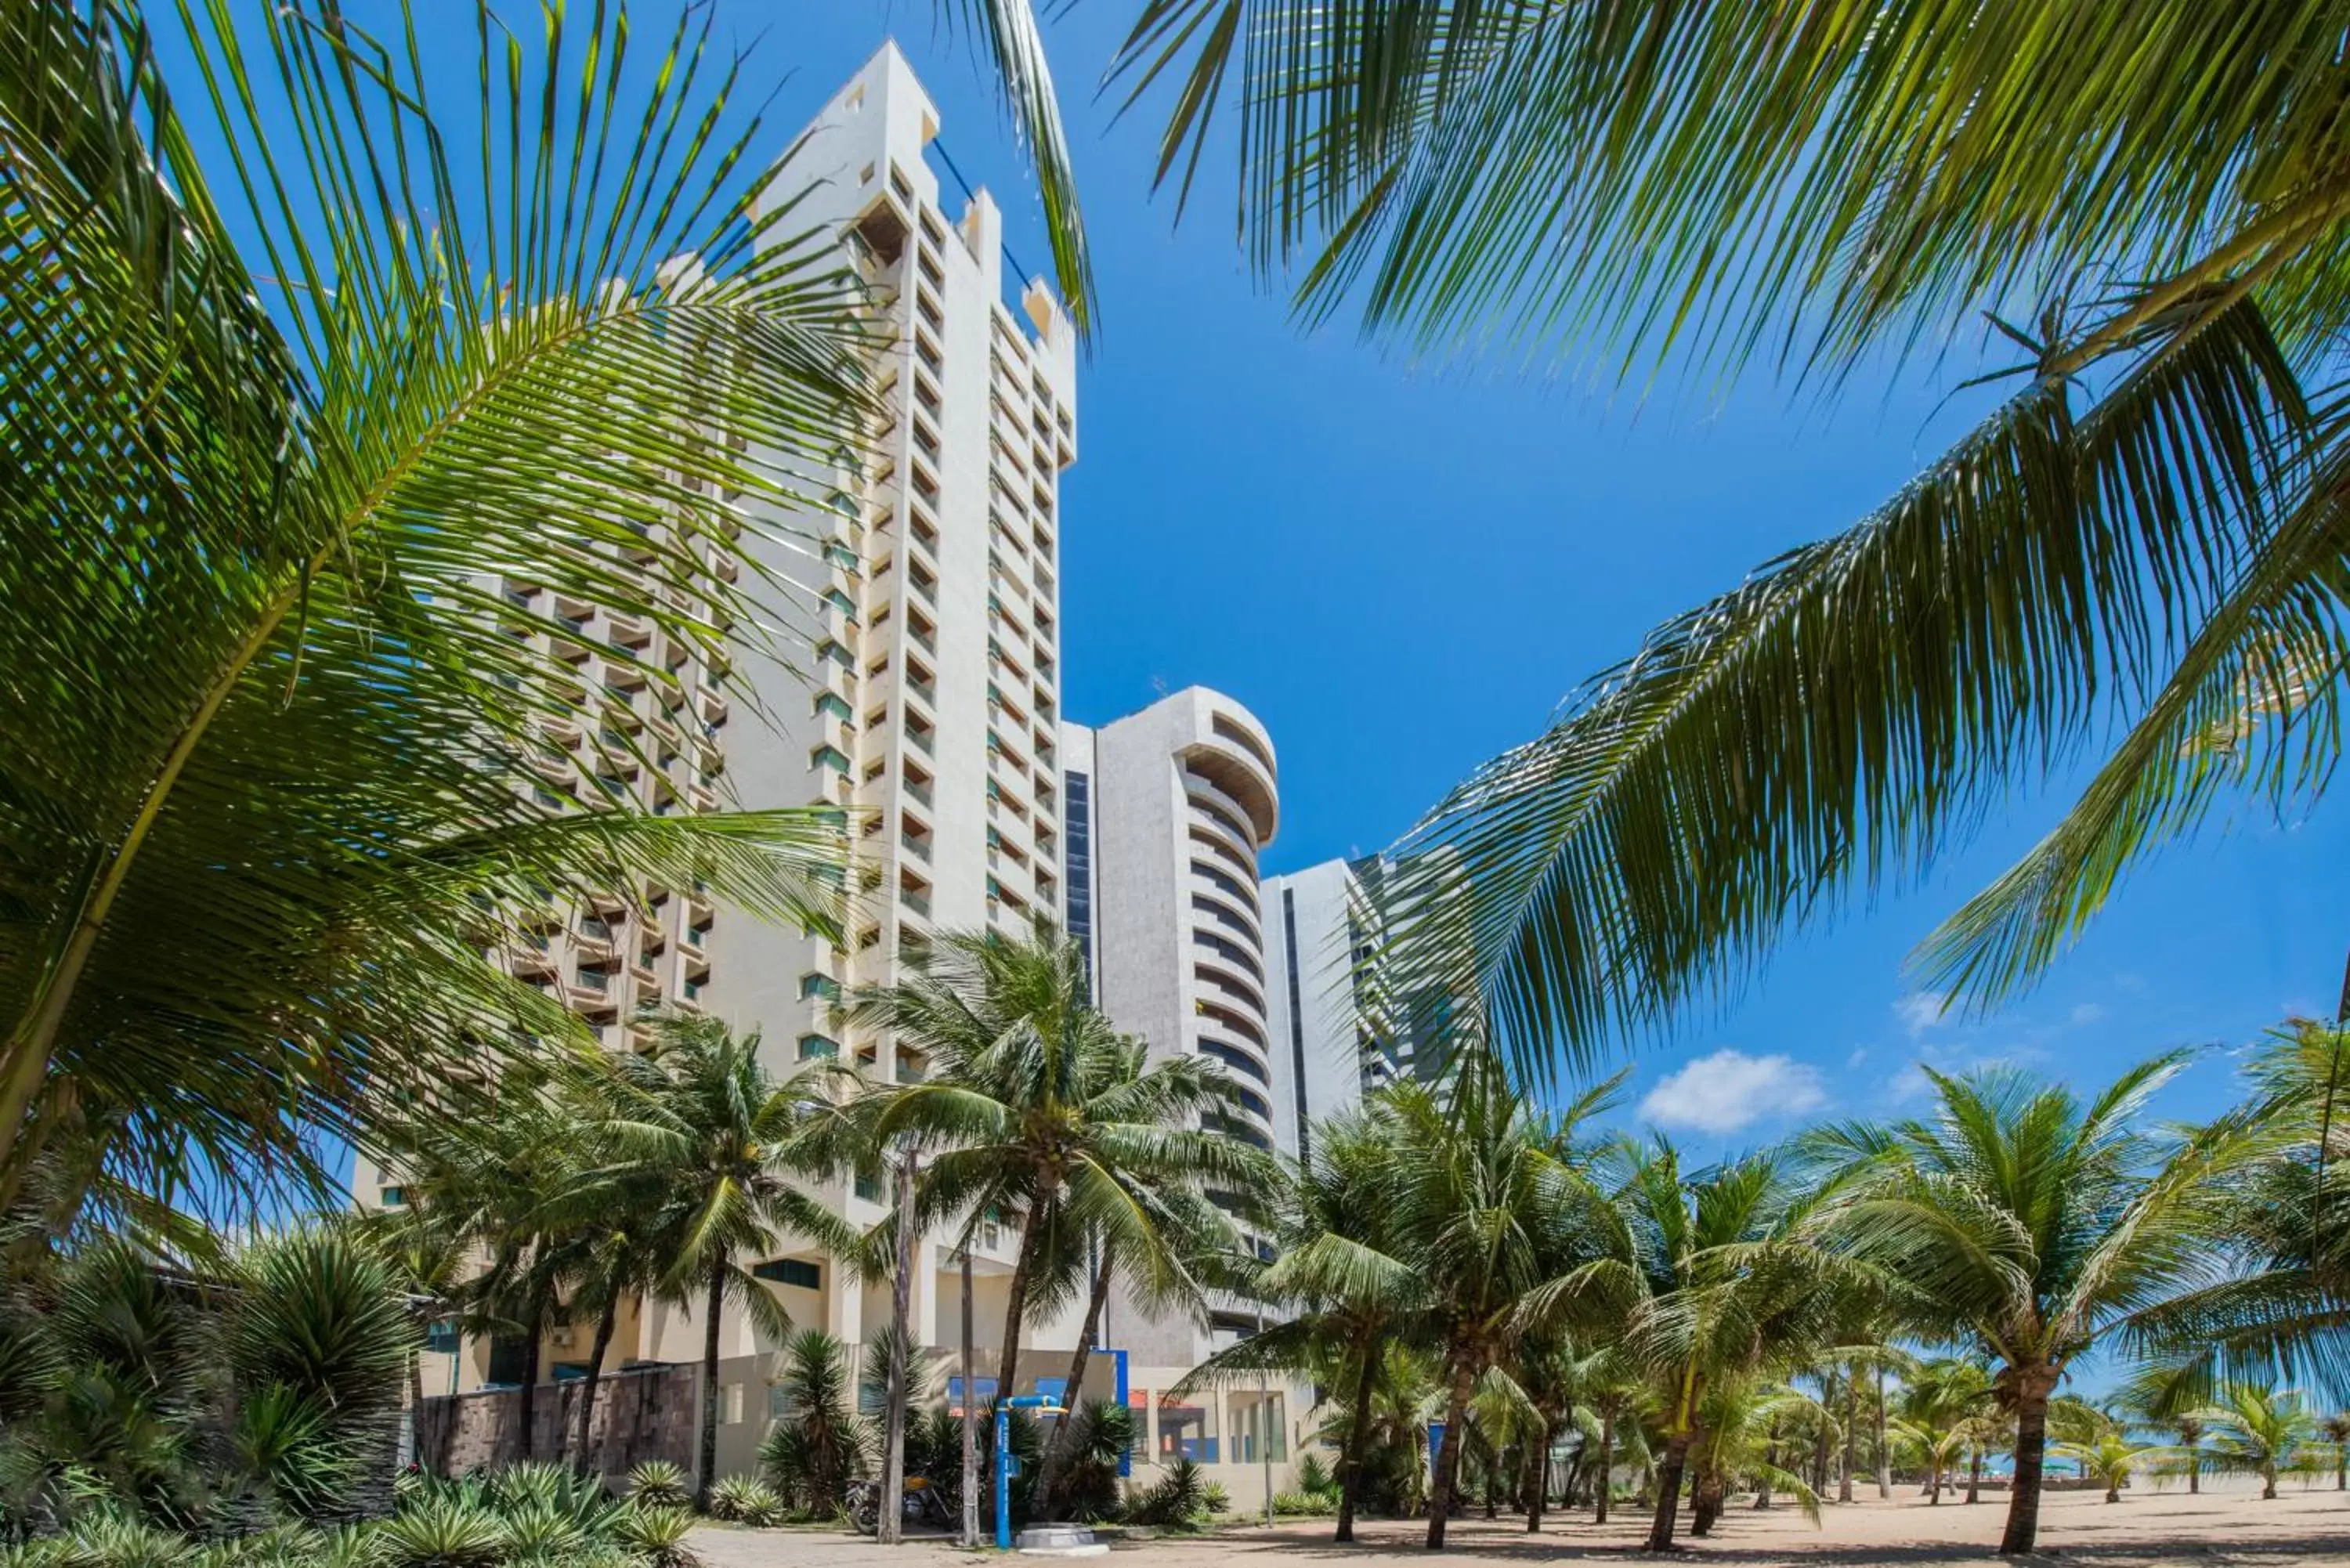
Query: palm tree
[(296, 696), (1942, 1404), (723, 1146), (2142, 536), (1486, 1197), (2111, 1457), (1710, 1282), (1344, 1294), (2264, 1431), (2019, 1216), (1038, 1107), (821, 1443)]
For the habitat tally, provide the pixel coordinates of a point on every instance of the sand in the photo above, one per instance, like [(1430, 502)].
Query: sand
[(2228, 1524)]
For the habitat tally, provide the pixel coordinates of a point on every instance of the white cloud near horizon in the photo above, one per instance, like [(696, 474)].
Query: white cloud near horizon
[(1729, 1090)]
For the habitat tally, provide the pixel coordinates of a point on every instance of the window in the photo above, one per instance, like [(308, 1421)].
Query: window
[(833, 703), (828, 757), (812, 1047), (393, 1198), (796, 1272), (440, 1335), (840, 602), (815, 984)]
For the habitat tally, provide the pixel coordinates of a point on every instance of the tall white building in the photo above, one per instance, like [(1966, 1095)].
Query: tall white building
[(1313, 940), (930, 706)]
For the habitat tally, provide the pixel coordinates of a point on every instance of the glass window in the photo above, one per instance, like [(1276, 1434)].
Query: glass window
[(797, 1272), (1185, 1431)]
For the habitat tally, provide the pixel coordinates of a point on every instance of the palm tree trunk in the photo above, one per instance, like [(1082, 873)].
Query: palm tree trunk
[(1358, 1438), (2031, 1453), (705, 1472), (1974, 1472), (607, 1323), (1705, 1487), (2268, 1484), (1851, 1411), (1064, 1443), (533, 1330), (1606, 1481), (890, 1527), (1448, 1462), (1883, 1456), (1668, 1491), (1934, 1477), (1016, 1303), (970, 1419), (1770, 1458), (1538, 1474), (416, 1409)]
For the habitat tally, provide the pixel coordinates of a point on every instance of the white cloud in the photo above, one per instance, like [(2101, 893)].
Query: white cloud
[(1859, 1054), (1918, 1012), (1729, 1090), (2088, 1012)]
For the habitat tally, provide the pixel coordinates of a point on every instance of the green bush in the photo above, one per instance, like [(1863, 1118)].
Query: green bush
[(1176, 1501), (656, 1483), (448, 1528), (1314, 1480), (1215, 1499), (1299, 1504), (744, 1499), (655, 1535)]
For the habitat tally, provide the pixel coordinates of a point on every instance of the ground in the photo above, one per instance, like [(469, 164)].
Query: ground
[(2147, 1528)]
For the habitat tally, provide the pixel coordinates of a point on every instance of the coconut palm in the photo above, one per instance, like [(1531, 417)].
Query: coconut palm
[(1488, 1199), (2111, 1457), (1344, 1295), (2017, 1215), (288, 697), (1943, 1406), (2260, 1430), (1036, 1107), (723, 1147), (1710, 1282), (2142, 538)]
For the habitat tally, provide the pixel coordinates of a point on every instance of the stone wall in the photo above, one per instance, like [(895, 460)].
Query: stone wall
[(647, 1413)]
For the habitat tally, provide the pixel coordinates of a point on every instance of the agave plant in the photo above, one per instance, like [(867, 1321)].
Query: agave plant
[(1177, 1500), (658, 1483), (747, 1499), (658, 1535), (443, 1530)]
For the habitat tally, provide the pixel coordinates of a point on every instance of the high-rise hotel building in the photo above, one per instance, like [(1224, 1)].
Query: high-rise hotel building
[(928, 702)]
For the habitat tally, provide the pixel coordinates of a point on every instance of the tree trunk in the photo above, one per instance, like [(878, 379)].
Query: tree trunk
[(1974, 1472), (416, 1405), (2030, 1453), (1358, 1438), (1058, 1452), (970, 1419), (1448, 1461), (1668, 1491), (1770, 1459), (1016, 1303), (2268, 1486), (1883, 1456), (606, 1322), (1705, 1486), (2341, 1469), (1851, 1437), (890, 1527), (2194, 1468), (1934, 1478), (535, 1332), (705, 1472), (1538, 1475), (1606, 1483)]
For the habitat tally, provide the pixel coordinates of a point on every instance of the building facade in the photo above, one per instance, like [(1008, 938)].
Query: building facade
[(926, 701)]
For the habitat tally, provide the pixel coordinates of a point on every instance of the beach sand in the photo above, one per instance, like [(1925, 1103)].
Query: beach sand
[(2226, 1524)]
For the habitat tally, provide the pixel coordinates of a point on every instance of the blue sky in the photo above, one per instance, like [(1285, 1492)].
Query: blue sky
[(1402, 568)]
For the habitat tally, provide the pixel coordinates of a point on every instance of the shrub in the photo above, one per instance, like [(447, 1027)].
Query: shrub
[(1314, 1480), (1176, 1501), (1296, 1505), (447, 1528), (656, 1483), (1215, 1499), (745, 1501), (656, 1534)]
